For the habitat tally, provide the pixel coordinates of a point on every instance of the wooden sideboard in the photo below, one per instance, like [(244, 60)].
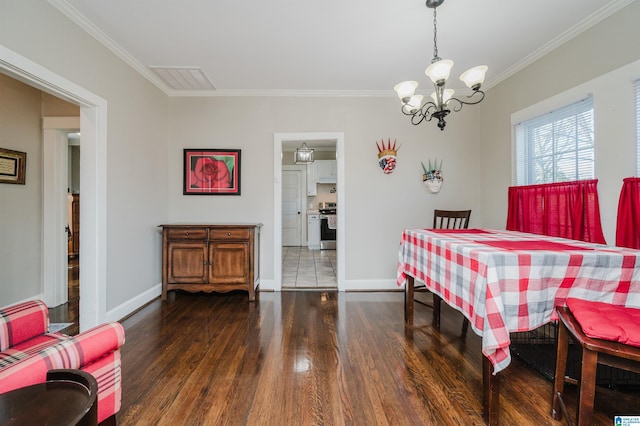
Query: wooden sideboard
[(210, 258)]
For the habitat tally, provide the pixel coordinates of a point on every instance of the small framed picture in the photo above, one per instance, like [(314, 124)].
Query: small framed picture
[(211, 172), (12, 166)]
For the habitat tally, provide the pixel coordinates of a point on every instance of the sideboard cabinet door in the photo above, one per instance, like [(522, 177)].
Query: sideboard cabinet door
[(187, 262), (228, 262)]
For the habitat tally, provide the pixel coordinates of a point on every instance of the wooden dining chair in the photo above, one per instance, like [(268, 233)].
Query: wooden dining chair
[(445, 219), (451, 219)]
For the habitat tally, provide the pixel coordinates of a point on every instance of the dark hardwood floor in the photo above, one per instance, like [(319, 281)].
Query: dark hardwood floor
[(317, 358), (70, 311)]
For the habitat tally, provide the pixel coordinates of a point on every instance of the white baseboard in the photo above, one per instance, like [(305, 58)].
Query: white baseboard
[(119, 312), (267, 285), (131, 305), (372, 285), (351, 285)]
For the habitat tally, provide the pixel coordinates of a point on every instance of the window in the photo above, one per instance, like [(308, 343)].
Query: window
[(637, 84), (557, 146)]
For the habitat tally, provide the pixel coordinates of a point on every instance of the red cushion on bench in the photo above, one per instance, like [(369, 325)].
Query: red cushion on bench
[(607, 322)]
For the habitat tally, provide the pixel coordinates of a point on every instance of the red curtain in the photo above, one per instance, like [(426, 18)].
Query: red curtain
[(628, 227), (561, 209)]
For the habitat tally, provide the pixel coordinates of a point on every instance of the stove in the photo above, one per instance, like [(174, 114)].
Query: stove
[(328, 225), (325, 207)]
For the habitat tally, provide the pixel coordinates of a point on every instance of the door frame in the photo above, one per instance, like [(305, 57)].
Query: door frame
[(54, 203), (301, 199), (93, 178), (278, 140)]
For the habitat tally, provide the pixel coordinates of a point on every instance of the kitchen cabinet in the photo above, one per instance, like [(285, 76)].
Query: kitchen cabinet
[(313, 231), (325, 171), (210, 258), (312, 188), (320, 171)]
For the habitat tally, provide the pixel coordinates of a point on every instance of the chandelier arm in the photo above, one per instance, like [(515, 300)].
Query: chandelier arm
[(456, 104), (428, 109), (417, 118), (425, 113)]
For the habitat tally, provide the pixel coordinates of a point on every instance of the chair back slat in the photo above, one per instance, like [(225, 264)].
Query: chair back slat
[(451, 219)]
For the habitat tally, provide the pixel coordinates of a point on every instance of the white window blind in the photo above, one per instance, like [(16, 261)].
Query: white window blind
[(637, 86), (557, 146)]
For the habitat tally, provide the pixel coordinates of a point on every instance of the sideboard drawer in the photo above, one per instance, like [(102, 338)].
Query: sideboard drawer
[(187, 233), (239, 234)]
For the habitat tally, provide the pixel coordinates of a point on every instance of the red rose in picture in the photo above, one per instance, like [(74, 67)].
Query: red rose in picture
[(210, 173)]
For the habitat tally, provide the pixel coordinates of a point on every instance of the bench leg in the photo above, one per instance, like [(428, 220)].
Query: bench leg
[(587, 387)]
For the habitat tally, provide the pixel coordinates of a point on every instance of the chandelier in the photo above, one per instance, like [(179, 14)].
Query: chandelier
[(303, 155), (443, 101)]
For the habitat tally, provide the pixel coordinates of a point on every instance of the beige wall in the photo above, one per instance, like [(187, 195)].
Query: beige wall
[(21, 205), (56, 107), (602, 61), (378, 206)]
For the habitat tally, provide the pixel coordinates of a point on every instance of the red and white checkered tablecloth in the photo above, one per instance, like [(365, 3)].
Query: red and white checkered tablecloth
[(506, 281)]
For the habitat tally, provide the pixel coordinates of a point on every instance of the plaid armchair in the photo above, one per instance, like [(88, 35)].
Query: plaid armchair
[(28, 351)]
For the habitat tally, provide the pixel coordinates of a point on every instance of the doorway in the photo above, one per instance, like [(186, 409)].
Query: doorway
[(93, 120), (283, 143)]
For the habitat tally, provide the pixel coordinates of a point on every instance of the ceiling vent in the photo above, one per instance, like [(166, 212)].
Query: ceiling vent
[(184, 78)]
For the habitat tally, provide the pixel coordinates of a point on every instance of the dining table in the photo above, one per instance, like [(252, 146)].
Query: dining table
[(507, 281)]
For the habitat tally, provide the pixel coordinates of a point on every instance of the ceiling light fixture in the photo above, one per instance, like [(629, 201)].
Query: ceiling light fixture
[(303, 155), (443, 100)]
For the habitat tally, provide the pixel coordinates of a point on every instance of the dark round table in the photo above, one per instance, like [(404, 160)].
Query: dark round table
[(59, 401)]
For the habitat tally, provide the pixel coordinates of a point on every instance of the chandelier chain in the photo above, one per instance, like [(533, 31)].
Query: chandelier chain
[(435, 36)]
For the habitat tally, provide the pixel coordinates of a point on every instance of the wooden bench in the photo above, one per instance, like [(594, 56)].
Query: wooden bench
[(594, 351)]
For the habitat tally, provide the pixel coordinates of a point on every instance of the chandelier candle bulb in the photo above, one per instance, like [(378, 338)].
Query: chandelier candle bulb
[(474, 77), (439, 71), (414, 103), (446, 95), (406, 89)]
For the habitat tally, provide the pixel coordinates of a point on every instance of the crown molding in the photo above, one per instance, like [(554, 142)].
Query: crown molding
[(74, 15), (79, 19), (283, 93), (563, 38)]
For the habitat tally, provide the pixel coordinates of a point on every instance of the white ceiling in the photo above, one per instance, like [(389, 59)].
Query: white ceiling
[(329, 47)]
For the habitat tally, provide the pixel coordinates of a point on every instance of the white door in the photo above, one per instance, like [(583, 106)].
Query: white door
[(292, 213), (55, 219)]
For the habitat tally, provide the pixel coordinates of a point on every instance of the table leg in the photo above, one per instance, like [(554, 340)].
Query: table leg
[(490, 392), (408, 301), (437, 302)]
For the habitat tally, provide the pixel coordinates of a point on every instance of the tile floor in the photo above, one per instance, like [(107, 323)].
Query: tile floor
[(310, 269)]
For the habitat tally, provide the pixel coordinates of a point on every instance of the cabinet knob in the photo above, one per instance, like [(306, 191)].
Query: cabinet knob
[(186, 233), (228, 234)]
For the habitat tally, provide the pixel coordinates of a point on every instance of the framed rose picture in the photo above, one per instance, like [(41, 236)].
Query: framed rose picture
[(12, 166), (211, 172)]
